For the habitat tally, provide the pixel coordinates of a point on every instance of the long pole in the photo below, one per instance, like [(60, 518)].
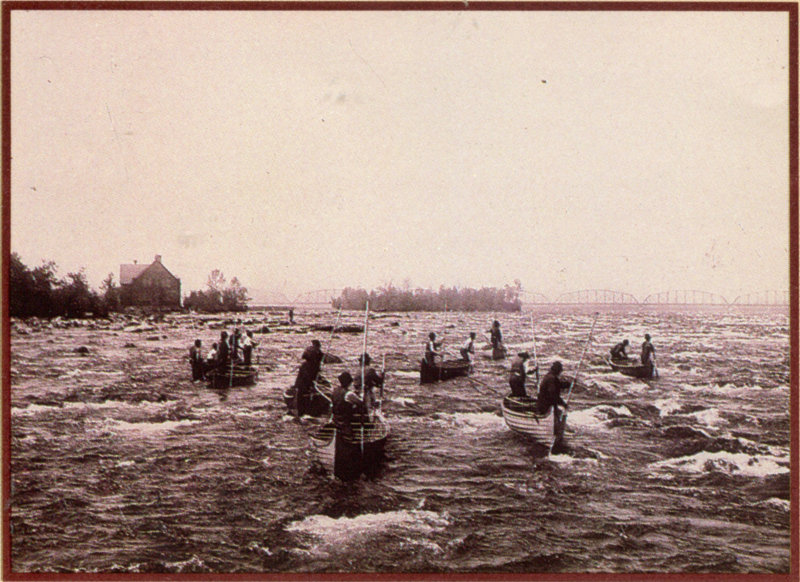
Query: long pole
[(444, 326), (383, 381), (586, 345), (230, 384), (363, 366), (535, 357), (563, 419), (330, 343)]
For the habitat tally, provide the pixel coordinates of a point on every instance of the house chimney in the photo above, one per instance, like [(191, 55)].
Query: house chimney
[(158, 258)]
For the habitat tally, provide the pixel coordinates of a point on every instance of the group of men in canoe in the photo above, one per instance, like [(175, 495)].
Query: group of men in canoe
[(236, 348), (355, 394), (648, 355)]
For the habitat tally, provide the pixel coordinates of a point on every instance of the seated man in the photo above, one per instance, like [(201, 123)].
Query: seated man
[(519, 373), (618, 351)]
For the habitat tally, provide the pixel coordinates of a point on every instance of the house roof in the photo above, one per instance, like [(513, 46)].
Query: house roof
[(127, 273)]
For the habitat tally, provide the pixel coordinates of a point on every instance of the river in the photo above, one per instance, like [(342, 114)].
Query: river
[(120, 463)]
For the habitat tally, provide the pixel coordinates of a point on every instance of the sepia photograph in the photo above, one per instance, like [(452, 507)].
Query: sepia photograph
[(372, 289)]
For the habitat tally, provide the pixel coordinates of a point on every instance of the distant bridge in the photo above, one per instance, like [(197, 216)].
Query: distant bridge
[(763, 298), (685, 297), (596, 297), (324, 297)]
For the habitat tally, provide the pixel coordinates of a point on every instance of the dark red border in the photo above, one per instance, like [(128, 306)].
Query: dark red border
[(794, 259), (371, 6)]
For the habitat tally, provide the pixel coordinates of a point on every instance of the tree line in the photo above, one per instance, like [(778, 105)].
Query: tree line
[(39, 292), (218, 296), (390, 298)]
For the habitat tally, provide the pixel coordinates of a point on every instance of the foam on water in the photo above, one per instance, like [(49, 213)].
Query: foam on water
[(667, 406), (144, 405), (596, 416), (406, 374), (567, 460), (148, 428), (32, 409), (402, 400), (470, 422), (782, 505), (343, 530), (709, 417), (729, 463)]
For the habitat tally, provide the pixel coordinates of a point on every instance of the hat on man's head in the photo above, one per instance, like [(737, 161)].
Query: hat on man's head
[(345, 379)]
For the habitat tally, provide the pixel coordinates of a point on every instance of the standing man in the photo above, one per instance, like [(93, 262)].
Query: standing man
[(550, 395), (247, 348), (224, 350), (304, 384), (496, 338), (648, 353), (468, 350), (432, 350), (347, 409), (372, 380), (196, 359)]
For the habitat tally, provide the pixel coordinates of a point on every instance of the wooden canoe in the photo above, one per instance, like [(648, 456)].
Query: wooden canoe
[(500, 353), (227, 377), (521, 417), (442, 371), (319, 403), (644, 371), (362, 454)]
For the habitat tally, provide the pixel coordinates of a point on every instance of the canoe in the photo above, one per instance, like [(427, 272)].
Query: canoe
[(320, 400), (635, 370), (442, 371), (499, 353), (240, 375), (362, 454), (521, 417)]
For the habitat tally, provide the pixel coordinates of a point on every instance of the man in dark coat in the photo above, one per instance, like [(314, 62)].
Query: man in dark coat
[(347, 408), (304, 384), (496, 337), (550, 390), (648, 353), (519, 372), (196, 359), (223, 350), (550, 395)]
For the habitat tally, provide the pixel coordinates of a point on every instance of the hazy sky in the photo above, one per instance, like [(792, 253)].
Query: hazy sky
[(634, 151)]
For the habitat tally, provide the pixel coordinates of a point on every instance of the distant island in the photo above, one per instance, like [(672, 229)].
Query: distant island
[(389, 298)]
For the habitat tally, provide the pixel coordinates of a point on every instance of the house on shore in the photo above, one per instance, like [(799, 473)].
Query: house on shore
[(150, 285)]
